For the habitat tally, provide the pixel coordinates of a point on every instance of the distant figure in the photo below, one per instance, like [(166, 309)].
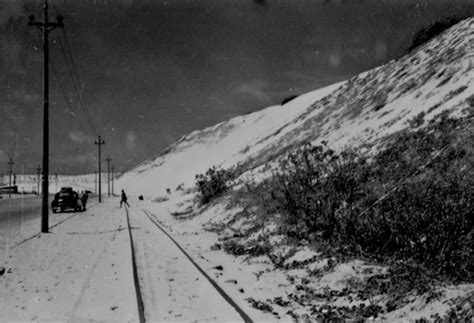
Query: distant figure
[(124, 199), (140, 197), (84, 198)]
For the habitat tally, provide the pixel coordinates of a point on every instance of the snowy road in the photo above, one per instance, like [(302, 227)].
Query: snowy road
[(172, 287), (80, 271), (20, 218), (27, 207)]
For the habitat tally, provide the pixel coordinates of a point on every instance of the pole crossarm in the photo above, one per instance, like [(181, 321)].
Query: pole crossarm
[(49, 25)]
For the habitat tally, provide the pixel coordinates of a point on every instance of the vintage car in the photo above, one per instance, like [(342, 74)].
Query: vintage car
[(66, 199)]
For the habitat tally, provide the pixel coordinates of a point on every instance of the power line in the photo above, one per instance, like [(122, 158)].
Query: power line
[(77, 86), (72, 70), (63, 91)]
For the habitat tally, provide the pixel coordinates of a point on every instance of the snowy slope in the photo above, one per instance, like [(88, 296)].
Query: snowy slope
[(437, 76)]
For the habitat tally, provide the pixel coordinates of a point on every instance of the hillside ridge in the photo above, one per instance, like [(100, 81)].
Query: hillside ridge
[(438, 76)]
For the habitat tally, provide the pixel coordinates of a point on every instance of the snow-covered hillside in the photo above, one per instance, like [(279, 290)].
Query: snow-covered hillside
[(437, 76)]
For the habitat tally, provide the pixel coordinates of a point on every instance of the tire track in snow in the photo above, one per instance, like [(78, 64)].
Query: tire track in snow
[(86, 284), (221, 292)]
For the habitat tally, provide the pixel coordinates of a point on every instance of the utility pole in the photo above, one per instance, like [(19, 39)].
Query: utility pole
[(113, 174), (38, 169), (100, 143), (56, 178), (10, 163), (46, 27), (108, 159), (95, 182)]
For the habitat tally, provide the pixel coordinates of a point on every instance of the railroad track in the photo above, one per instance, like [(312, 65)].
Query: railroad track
[(141, 306)]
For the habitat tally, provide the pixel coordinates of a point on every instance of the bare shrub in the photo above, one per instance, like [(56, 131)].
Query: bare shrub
[(412, 202), (214, 183)]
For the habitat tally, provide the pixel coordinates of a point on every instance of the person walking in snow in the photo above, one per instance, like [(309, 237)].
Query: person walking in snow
[(84, 198), (124, 199)]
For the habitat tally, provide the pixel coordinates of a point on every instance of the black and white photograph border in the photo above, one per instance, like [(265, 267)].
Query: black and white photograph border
[(236, 160)]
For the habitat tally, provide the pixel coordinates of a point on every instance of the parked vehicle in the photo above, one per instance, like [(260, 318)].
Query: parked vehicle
[(66, 199)]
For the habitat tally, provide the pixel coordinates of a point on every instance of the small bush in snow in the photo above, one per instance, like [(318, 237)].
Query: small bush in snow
[(307, 196), (252, 248), (418, 120), (214, 183)]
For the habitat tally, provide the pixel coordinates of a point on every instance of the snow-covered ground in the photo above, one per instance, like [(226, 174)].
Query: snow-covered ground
[(172, 288), (81, 270), (270, 294)]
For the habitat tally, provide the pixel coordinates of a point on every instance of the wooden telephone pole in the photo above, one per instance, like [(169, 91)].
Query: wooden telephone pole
[(46, 27), (10, 164), (100, 143), (113, 174), (108, 159), (38, 169)]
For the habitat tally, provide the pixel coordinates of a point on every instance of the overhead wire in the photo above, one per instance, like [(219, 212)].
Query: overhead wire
[(77, 87), (75, 120), (73, 111), (61, 87), (75, 79), (76, 83), (72, 70)]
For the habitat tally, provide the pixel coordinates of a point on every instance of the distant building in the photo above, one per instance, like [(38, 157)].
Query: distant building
[(9, 189)]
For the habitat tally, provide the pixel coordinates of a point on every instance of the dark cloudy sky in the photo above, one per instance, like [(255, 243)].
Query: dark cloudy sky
[(152, 71)]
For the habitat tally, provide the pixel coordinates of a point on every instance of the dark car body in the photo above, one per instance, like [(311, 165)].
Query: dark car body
[(66, 199)]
